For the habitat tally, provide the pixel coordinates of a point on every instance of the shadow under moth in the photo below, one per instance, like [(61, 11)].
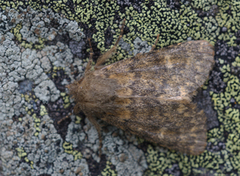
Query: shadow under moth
[(149, 95)]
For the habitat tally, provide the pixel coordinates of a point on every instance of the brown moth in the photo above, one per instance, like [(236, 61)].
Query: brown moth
[(150, 95)]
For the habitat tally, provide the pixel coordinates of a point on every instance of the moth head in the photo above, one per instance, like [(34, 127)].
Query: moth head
[(77, 92)]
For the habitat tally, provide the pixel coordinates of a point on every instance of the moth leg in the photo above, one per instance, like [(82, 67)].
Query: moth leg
[(98, 128), (89, 64), (64, 118), (110, 52), (154, 46), (76, 108)]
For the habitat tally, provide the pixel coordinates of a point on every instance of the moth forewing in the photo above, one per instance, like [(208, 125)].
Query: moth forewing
[(150, 95)]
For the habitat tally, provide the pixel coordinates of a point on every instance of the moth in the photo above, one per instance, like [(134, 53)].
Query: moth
[(149, 95)]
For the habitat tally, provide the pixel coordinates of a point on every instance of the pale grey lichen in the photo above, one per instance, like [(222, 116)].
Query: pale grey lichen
[(140, 46), (45, 64), (126, 46), (23, 75), (26, 35), (77, 47), (46, 91), (74, 31), (5, 23), (74, 133), (134, 162)]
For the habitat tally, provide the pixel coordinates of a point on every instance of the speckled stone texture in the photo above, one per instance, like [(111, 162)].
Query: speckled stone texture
[(44, 47)]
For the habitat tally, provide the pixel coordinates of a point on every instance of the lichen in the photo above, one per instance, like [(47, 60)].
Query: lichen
[(37, 36)]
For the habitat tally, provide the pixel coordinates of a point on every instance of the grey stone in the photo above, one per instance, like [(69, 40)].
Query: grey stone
[(25, 86)]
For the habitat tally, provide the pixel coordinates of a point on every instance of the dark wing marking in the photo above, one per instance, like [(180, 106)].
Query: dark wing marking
[(177, 125), (177, 70)]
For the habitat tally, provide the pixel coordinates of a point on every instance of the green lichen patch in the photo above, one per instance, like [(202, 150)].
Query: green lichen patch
[(68, 148), (108, 170)]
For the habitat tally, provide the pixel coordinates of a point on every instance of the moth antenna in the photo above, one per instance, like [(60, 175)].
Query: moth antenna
[(89, 64), (76, 109), (110, 52), (154, 46), (121, 33)]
